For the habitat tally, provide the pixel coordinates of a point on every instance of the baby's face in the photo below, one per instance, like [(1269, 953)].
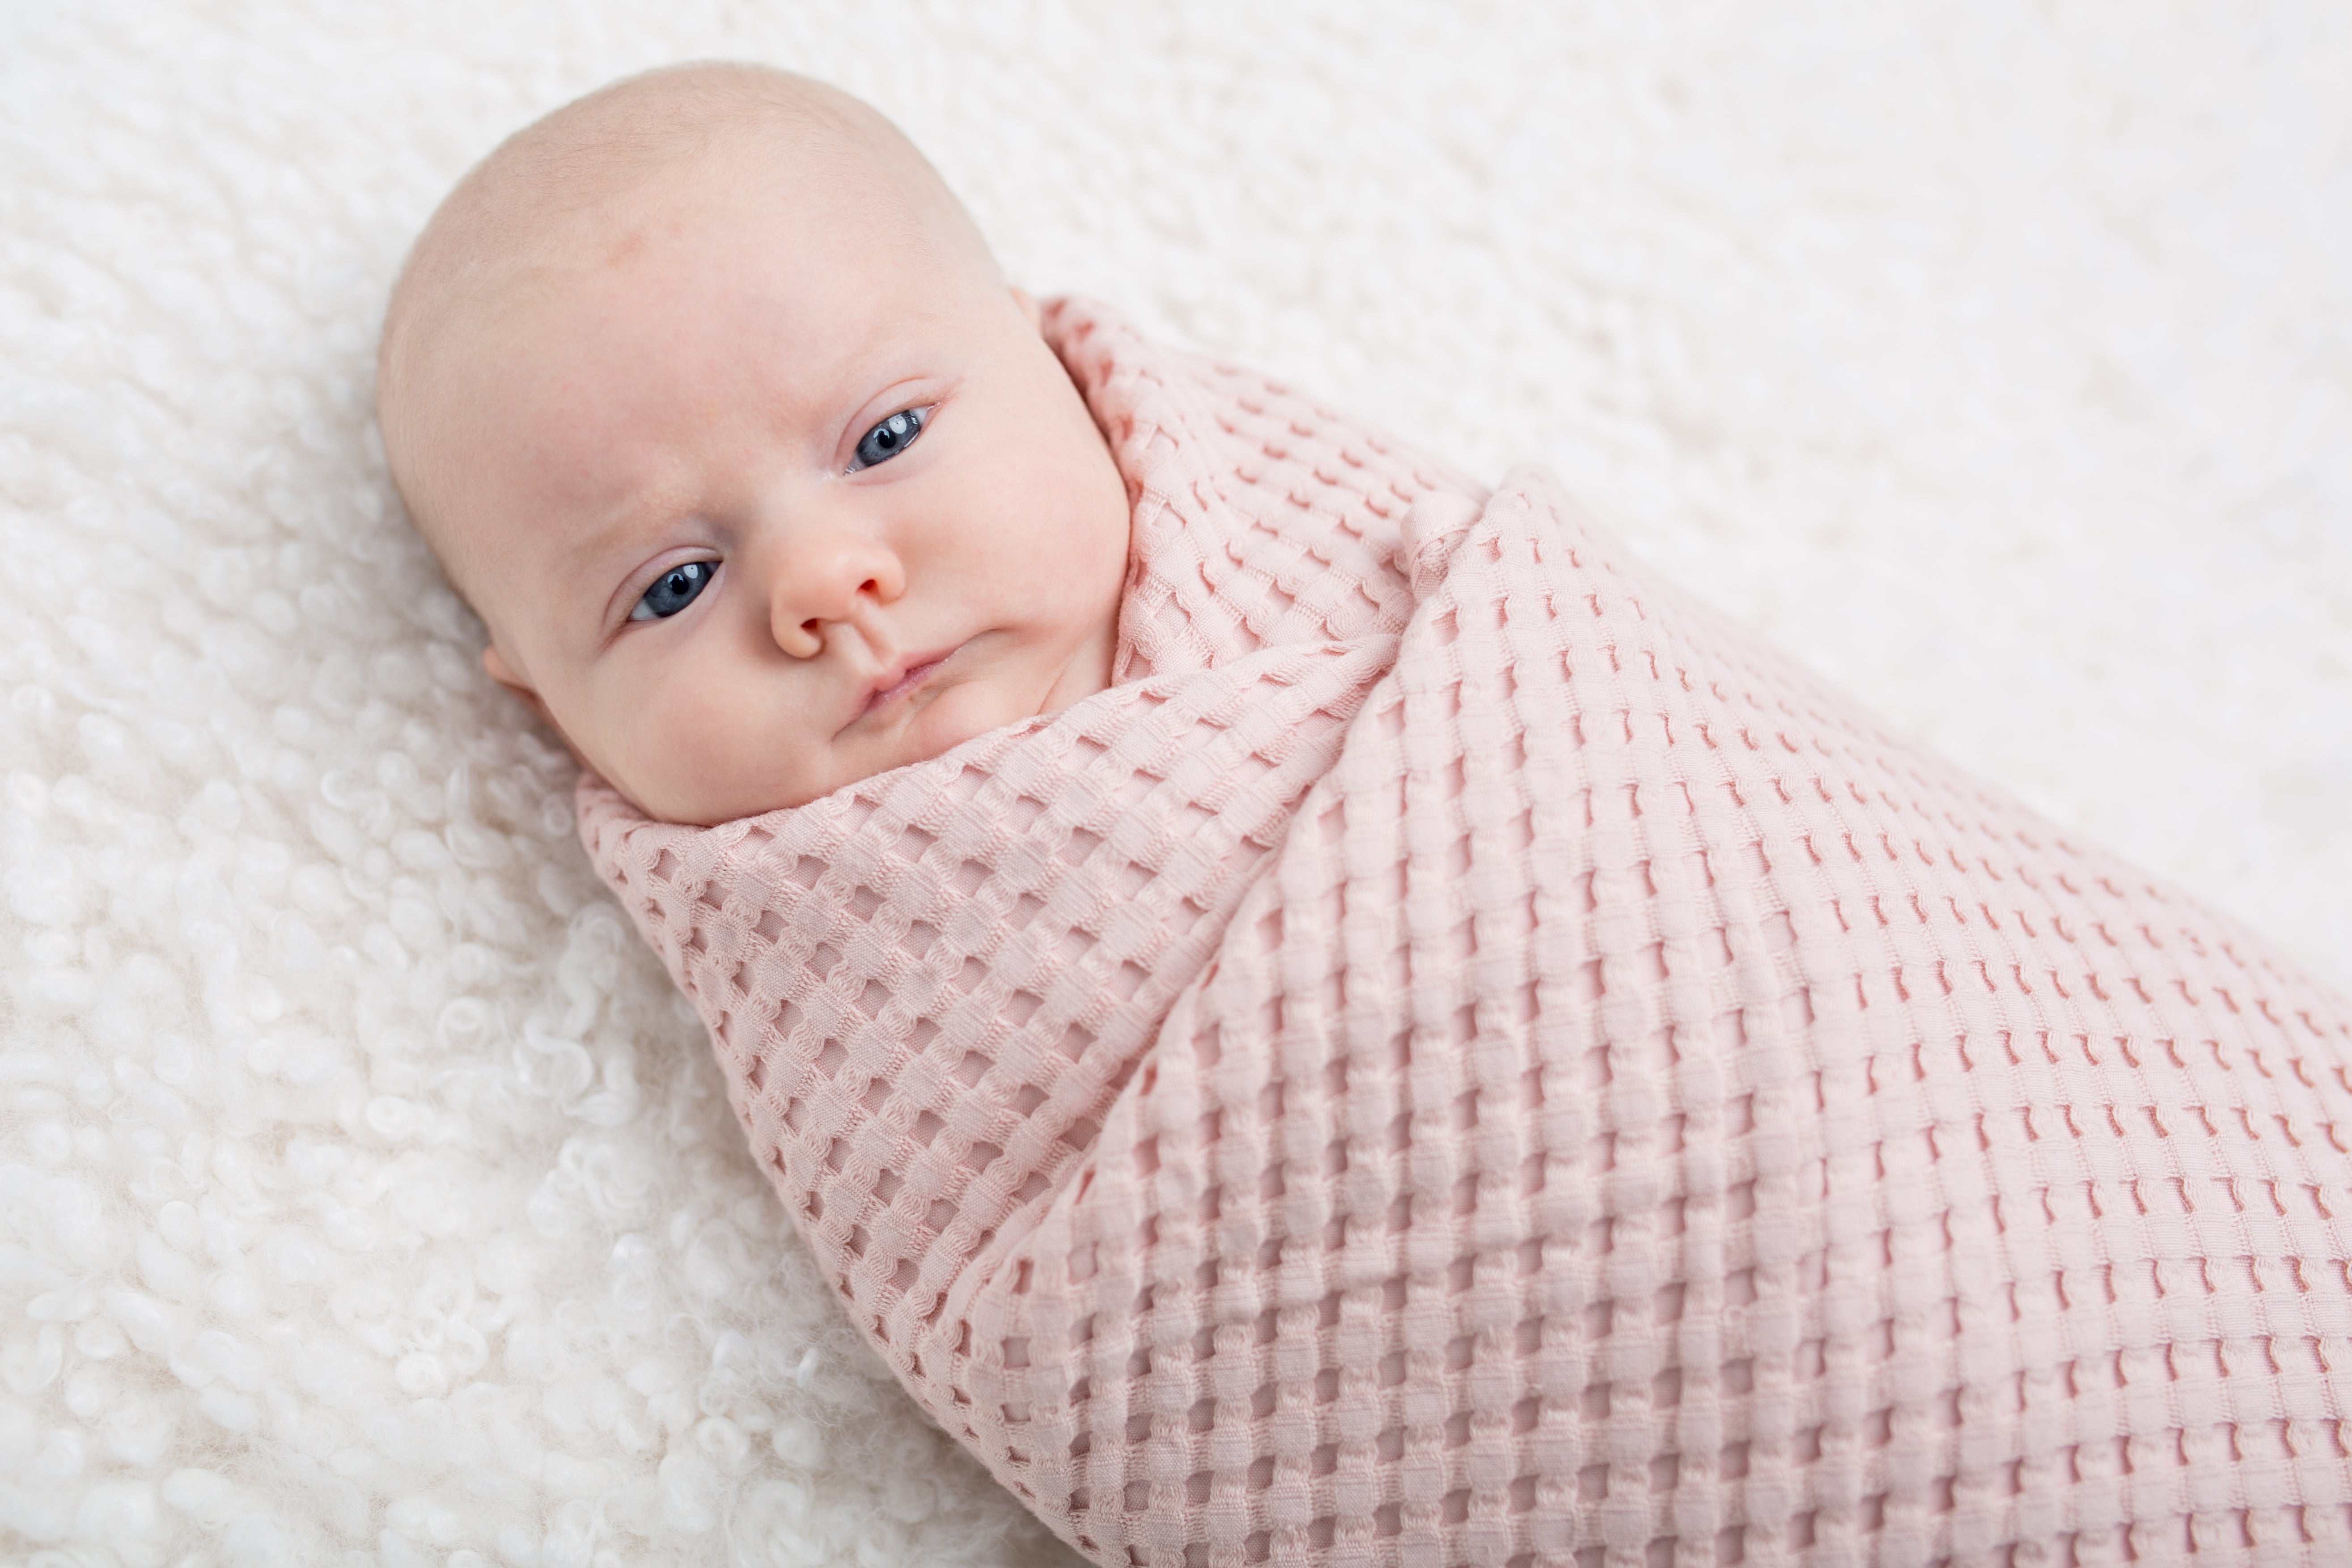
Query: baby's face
[(762, 502)]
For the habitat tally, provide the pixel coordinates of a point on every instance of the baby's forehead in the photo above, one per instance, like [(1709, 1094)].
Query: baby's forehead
[(561, 211)]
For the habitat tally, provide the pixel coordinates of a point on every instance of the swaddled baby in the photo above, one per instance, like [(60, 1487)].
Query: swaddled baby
[(1316, 1013)]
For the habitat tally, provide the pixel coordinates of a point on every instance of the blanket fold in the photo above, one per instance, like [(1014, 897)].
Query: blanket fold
[(1463, 1056)]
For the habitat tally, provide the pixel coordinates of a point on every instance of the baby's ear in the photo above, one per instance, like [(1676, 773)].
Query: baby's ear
[(495, 665), (1028, 303)]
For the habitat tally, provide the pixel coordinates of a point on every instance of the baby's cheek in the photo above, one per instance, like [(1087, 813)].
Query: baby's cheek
[(691, 761)]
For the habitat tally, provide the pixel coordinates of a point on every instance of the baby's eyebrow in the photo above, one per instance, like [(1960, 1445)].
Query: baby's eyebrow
[(611, 532), (592, 551), (621, 523)]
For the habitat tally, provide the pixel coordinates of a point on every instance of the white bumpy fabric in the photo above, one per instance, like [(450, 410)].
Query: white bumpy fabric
[(1462, 1056)]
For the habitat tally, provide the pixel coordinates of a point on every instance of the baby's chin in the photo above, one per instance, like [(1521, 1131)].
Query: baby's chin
[(706, 802), (710, 793), (705, 791), (961, 712)]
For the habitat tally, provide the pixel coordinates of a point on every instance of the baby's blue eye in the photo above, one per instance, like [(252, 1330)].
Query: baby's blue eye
[(890, 439), (673, 591)]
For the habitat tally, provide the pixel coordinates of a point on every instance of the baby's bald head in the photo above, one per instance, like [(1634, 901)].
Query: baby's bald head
[(716, 407), (582, 187)]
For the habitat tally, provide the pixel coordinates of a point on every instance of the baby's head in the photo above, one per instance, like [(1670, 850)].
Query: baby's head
[(716, 407)]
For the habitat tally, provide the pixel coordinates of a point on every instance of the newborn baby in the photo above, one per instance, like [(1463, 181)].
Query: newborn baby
[(718, 410), (1316, 1013)]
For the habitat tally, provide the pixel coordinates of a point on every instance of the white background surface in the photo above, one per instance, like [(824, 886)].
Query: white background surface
[(364, 1191)]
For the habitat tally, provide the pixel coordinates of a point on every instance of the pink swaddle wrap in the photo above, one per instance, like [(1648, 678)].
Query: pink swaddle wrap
[(1465, 1057)]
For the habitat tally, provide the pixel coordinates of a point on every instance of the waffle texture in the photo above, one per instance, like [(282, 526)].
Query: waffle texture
[(1462, 1056)]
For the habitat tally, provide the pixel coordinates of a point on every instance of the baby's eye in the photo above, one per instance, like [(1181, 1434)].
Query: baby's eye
[(890, 439), (673, 591)]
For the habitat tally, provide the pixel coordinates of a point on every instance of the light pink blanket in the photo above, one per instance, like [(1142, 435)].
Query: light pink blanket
[(1465, 1057)]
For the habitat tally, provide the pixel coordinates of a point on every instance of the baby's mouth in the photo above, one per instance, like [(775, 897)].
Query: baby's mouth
[(891, 689)]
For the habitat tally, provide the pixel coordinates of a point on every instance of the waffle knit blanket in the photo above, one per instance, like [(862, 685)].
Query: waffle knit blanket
[(1462, 1056)]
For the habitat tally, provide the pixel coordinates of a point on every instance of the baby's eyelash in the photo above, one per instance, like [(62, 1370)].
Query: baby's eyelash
[(674, 590), (890, 438)]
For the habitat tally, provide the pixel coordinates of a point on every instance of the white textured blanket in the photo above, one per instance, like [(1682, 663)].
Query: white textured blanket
[(364, 1193)]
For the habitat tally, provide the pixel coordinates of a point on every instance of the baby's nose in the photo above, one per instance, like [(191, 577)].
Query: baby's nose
[(818, 582)]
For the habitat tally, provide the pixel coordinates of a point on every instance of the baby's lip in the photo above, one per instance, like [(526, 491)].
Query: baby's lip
[(899, 680)]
